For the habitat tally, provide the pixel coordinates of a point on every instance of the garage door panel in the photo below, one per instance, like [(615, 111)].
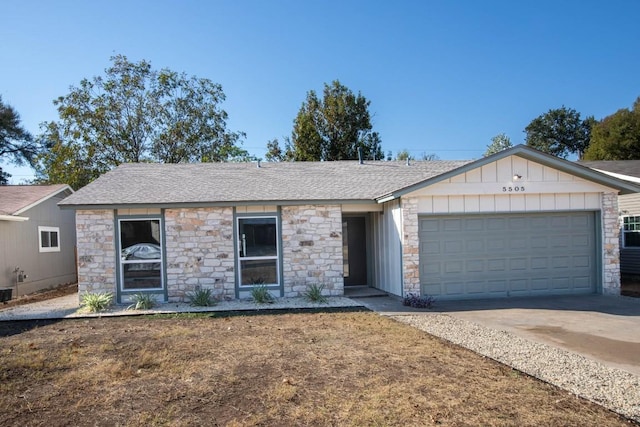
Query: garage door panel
[(496, 265), (540, 283), (559, 242), (560, 262), (454, 288), (539, 263), (453, 247), (581, 261), (475, 266), (518, 264), (431, 247), (454, 267), (495, 255), (475, 245), (427, 225), (561, 283), (559, 222), (452, 225), (585, 283), (475, 287), (519, 285), (496, 244), (497, 287)]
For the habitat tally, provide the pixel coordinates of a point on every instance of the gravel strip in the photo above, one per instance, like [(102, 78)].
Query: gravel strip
[(612, 388), (67, 307)]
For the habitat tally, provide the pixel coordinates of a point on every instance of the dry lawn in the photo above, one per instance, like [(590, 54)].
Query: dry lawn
[(288, 369)]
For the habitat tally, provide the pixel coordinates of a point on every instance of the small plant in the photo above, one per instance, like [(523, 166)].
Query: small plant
[(314, 294), (261, 295), (201, 298), (97, 301), (417, 301), (142, 302)]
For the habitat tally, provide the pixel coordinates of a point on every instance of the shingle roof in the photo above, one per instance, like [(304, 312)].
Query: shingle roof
[(148, 183), (622, 167), (15, 198)]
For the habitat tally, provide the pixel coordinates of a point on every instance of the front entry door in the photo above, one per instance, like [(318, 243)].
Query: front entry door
[(354, 250)]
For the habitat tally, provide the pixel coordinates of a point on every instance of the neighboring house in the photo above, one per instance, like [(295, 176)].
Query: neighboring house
[(629, 208), (517, 223), (37, 238)]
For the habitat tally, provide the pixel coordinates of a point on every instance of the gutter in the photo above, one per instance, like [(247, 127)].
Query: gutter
[(13, 218)]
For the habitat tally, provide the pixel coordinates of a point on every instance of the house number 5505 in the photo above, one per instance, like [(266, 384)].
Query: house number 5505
[(512, 189)]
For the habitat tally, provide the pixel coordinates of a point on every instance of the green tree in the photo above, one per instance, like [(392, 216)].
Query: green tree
[(560, 132), (274, 151), (17, 146), (404, 155), (429, 156), (334, 127), (135, 114), (498, 143), (616, 137)]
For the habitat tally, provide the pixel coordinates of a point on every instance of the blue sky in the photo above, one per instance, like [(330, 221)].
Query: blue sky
[(443, 77)]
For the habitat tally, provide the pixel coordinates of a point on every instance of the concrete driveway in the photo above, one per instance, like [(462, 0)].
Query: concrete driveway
[(604, 328)]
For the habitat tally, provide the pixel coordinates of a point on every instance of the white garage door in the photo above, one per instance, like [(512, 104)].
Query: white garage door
[(487, 256)]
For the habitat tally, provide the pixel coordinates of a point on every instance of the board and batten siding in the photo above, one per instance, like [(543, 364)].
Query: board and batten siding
[(387, 248), (629, 205), (486, 190)]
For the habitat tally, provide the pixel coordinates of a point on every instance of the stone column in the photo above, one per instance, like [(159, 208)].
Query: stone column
[(96, 251), (410, 246), (611, 244)]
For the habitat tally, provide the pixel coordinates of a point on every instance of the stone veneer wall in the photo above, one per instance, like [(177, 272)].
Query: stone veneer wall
[(312, 249), (611, 245), (96, 251), (199, 251), (410, 246)]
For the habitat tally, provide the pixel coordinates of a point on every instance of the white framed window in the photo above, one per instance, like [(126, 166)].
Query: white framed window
[(258, 250), (49, 239), (631, 231)]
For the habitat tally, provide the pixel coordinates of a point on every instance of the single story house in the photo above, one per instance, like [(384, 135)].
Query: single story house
[(629, 209), (37, 238), (516, 223)]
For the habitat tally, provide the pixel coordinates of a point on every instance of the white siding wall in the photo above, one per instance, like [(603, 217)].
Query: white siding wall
[(487, 189), (387, 248), (629, 257)]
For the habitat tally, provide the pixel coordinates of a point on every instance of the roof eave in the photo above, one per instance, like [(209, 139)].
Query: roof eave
[(528, 153), (43, 199), (181, 205)]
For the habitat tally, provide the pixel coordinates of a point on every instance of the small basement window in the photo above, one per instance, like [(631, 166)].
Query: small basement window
[(631, 231), (49, 239)]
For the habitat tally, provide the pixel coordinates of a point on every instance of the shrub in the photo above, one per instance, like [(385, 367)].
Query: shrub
[(416, 301), (97, 301), (261, 295), (314, 293), (201, 298), (142, 302)]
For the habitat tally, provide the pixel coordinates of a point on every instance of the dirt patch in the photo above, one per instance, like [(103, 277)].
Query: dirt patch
[(60, 291), (288, 369)]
